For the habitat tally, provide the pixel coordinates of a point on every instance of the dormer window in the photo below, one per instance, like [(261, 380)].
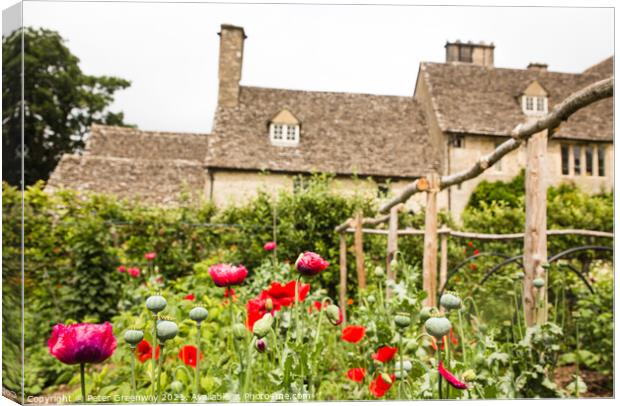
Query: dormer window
[(284, 129), (534, 100)]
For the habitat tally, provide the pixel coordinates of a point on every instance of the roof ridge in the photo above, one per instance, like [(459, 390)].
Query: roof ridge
[(117, 128), (139, 160), (474, 66), (326, 92)]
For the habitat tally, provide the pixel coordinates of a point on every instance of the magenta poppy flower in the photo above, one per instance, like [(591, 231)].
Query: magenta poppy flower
[(82, 343), (225, 275), (134, 272), (310, 264), (452, 380), (149, 256), (121, 269), (270, 246)]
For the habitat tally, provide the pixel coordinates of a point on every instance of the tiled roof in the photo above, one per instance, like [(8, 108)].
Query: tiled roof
[(481, 100), (341, 133)]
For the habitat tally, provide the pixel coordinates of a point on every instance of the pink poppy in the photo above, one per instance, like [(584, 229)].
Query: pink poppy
[(82, 343), (270, 246), (134, 272), (225, 275), (150, 255), (121, 269), (452, 380), (310, 264)]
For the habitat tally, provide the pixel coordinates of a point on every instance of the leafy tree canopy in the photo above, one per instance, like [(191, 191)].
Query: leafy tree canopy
[(60, 103)]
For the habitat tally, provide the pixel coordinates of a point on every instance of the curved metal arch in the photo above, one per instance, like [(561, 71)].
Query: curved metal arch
[(508, 261), (465, 262), (578, 249), (580, 275)]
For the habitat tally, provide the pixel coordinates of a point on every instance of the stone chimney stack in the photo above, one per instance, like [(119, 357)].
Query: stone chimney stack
[(469, 52), (541, 67), (231, 62)]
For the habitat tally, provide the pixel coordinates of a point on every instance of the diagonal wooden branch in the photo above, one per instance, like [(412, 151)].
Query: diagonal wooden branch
[(561, 112), (365, 222)]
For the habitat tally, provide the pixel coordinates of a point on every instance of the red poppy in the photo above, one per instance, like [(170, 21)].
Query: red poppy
[(316, 305), (188, 355), (190, 297), (452, 380), (150, 256), (310, 264), (469, 243), (473, 266), (350, 302), (134, 272), (476, 252), (385, 354), (379, 386), (225, 275), (353, 334), (453, 340), (121, 269), (356, 374), (144, 351), (270, 246), (280, 295)]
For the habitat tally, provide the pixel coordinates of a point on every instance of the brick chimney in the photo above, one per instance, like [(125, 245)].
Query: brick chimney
[(469, 52), (541, 67), (231, 62)]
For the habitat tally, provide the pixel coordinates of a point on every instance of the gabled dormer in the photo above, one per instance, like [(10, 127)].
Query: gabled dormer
[(284, 129), (534, 100)]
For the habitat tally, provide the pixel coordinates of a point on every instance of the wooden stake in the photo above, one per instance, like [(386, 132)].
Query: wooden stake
[(392, 247), (429, 275), (359, 252), (343, 277), (535, 238), (443, 264)]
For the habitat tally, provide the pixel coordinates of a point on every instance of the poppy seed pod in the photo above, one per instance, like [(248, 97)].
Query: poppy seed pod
[(334, 315), (371, 299), (438, 326), (426, 313), (402, 320), (379, 272), (407, 365), (166, 330), (239, 331), (261, 345), (198, 314), (176, 386), (538, 283), (450, 301), (133, 337), (469, 375), (262, 326), (156, 303)]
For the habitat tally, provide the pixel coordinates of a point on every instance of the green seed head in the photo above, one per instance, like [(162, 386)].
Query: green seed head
[(133, 337), (379, 272), (198, 314), (166, 330), (469, 375), (176, 386), (371, 299), (239, 331), (262, 326), (402, 320), (450, 301), (427, 312), (538, 283), (438, 326), (156, 303)]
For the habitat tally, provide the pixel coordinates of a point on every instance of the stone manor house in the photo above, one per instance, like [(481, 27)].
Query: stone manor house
[(262, 138)]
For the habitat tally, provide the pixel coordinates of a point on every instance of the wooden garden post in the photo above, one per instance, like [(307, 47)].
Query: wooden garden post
[(443, 264), (535, 239), (429, 274), (392, 247), (343, 276), (359, 252)]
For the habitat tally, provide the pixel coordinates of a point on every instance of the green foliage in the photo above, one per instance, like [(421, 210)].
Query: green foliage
[(509, 194), (60, 103)]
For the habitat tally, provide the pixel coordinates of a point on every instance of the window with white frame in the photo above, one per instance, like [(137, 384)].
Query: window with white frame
[(284, 135), (533, 105)]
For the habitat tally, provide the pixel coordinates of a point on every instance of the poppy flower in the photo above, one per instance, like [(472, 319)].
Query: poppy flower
[(270, 246), (149, 256), (469, 243), (225, 275), (473, 266), (159, 279), (350, 302), (453, 340), (121, 269), (452, 380), (476, 252), (353, 334), (310, 264), (134, 272), (190, 297), (144, 351), (279, 295), (188, 355), (356, 374), (82, 343), (316, 305), (385, 354), (379, 386)]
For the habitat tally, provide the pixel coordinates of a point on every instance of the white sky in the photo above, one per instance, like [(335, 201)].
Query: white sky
[(170, 51)]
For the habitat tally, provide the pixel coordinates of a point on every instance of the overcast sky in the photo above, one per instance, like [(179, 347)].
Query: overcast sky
[(169, 51)]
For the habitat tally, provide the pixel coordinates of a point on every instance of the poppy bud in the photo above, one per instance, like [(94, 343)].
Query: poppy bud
[(438, 326), (538, 283), (156, 303), (386, 377), (239, 331), (450, 301), (407, 365), (371, 299), (198, 314), (397, 374), (261, 345), (262, 326), (411, 345), (334, 315), (393, 266), (402, 321), (469, 375), (426, 313), (546, 265), (166, 330), (269, 304), (176, 386), (519, 275), (379, 272), (133, 337)]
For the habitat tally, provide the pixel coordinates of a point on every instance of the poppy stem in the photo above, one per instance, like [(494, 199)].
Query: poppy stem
[(133, 371), (83, 381), (153, 354), (161, 355), (197, 371), (297, 326), (237, 350), (439, 377), (402, 369)]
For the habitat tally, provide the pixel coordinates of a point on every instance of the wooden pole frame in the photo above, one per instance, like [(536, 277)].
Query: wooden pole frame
[(359, 252), (392, 247), (343, 277), (429, 262)]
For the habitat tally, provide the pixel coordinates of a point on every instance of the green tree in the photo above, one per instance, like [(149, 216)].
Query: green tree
[(60, 103)]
